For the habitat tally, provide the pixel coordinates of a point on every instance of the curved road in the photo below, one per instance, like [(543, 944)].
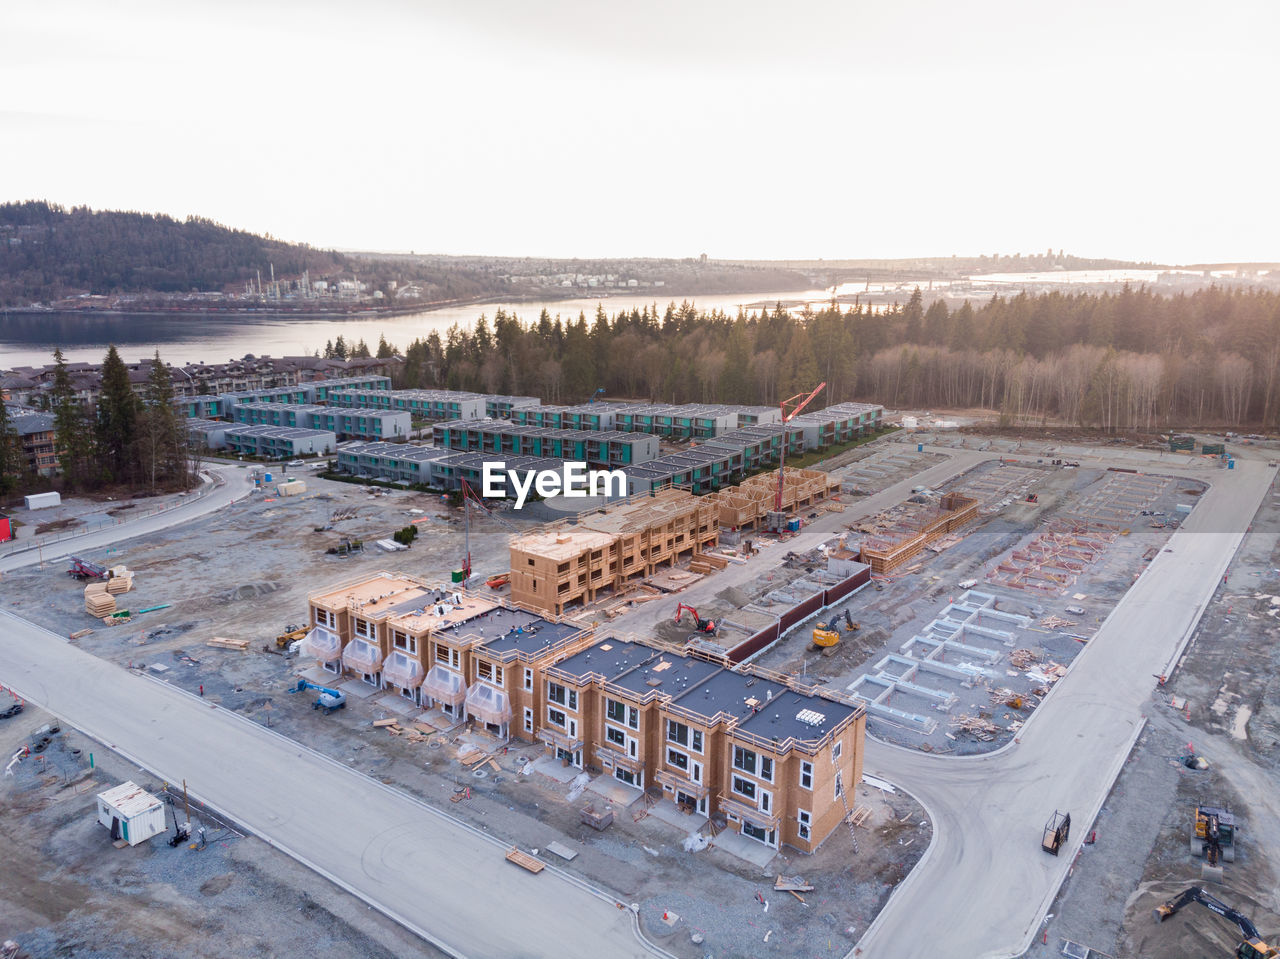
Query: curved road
[(232, 489), (984, 886)]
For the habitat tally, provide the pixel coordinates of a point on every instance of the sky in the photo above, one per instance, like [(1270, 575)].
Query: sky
[(835, 129)]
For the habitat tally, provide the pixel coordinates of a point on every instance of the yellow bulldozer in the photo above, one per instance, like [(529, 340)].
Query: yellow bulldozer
[(826, 635), (291, 633)]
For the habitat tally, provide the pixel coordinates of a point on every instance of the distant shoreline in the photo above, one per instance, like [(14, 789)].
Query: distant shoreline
[(366, 312)]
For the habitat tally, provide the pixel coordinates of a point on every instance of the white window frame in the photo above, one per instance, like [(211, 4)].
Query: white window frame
[(569, 697), (839, 786), (573, 728), (493, 670), (449, 656), (804, 824), (749, 791), (766, 801), (695, 772), (528, 719), (806, 775), (556, 717), (766, 768), (740, 763), (615, 736), (631, 715), (364, 629), (837, 748), (528, 679), (672, 726), (404, 641), (673, 755)]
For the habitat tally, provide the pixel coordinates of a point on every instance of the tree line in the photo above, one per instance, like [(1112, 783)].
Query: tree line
[(1111, 360), (123, 438)]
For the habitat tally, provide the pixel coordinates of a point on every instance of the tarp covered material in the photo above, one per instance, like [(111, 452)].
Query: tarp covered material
[(488, 704), (444, 686), (323, 644), (362, 657), (402, 670)]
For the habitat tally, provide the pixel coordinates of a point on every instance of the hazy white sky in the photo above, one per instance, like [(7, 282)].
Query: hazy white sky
[(843, 128)]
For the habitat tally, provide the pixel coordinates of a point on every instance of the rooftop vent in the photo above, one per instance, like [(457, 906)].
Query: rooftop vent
[(811, 717)]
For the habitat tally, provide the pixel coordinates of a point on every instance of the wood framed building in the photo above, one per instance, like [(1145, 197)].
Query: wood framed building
[(556, 566)]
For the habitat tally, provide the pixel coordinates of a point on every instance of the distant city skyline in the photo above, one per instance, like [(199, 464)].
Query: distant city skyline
[(1137, 131)]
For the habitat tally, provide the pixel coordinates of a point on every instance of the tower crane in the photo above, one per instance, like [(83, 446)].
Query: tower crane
[(469, 496), (777, 519)]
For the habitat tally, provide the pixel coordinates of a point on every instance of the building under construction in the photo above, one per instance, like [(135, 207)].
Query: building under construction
[(889, 546), (745, 505), (573, 562)]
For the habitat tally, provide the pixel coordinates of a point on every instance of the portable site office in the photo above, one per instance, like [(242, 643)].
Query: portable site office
[(131, 813)]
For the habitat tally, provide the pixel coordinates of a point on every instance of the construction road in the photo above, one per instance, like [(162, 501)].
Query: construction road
[(445, 881), (985, 885), (981, 890), (228, 487)]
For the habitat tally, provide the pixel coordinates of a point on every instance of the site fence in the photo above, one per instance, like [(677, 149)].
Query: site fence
[(798, 613)]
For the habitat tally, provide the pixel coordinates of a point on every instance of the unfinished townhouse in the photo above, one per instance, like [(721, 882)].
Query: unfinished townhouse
[(771, 758), (556, 566), (468, 656)]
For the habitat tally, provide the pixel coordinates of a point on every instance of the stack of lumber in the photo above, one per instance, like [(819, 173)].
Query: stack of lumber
[(121, 580), (97, 601), (524, 860), (221, 642)]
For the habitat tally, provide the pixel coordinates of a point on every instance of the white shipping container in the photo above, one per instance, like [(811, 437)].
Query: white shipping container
[(131, 813), (43, 500)]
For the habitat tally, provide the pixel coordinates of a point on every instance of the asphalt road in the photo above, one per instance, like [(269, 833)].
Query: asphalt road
[(444, 880), (233, 488), (985, 885)]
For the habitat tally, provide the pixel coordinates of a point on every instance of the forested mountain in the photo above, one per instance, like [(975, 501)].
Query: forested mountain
[(47, 251), (1107, 360)]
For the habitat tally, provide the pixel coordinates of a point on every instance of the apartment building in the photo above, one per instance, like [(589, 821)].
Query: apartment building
[(555, 566), (772, 757), (273, 442), (605, 448), (421, 404), (38, 440), (369, 424)]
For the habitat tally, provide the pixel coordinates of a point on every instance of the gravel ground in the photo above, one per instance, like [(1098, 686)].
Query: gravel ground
[(1227, 684), (897, 608), (245, 573), (66, 892)]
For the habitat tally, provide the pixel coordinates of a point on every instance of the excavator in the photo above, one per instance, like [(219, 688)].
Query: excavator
[(328, 700), (1214, 835), (1251, 948), (827, 635), (707, 626)]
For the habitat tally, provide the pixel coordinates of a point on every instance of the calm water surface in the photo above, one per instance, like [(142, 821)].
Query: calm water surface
[(29, 339)]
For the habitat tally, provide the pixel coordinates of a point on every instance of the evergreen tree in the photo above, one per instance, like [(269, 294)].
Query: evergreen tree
[(161, 437), (913, 314), (12, 462), (117, 418), (72, 436), (385, 349)]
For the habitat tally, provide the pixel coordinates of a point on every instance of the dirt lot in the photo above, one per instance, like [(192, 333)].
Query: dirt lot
[(64, 891), (245, 573), (899, 607), (1227, 685)]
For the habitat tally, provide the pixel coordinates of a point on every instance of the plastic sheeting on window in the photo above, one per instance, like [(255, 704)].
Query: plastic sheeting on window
[(402, 670), (323, 644), (444, 686), (362, 657), (488, 704)]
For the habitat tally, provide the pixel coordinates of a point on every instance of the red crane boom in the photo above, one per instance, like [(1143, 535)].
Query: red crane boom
[(790, 410)]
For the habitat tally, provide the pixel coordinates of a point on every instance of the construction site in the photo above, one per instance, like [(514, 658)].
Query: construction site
[(945, 610)]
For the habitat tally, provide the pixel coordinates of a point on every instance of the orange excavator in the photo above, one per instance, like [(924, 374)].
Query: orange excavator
[(707, 626)]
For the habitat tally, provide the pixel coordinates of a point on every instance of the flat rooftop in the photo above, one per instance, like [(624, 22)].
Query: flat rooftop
[(501, 630), (437, 611), (561, 543), (376, 593), (781, 717), (279, 432)]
